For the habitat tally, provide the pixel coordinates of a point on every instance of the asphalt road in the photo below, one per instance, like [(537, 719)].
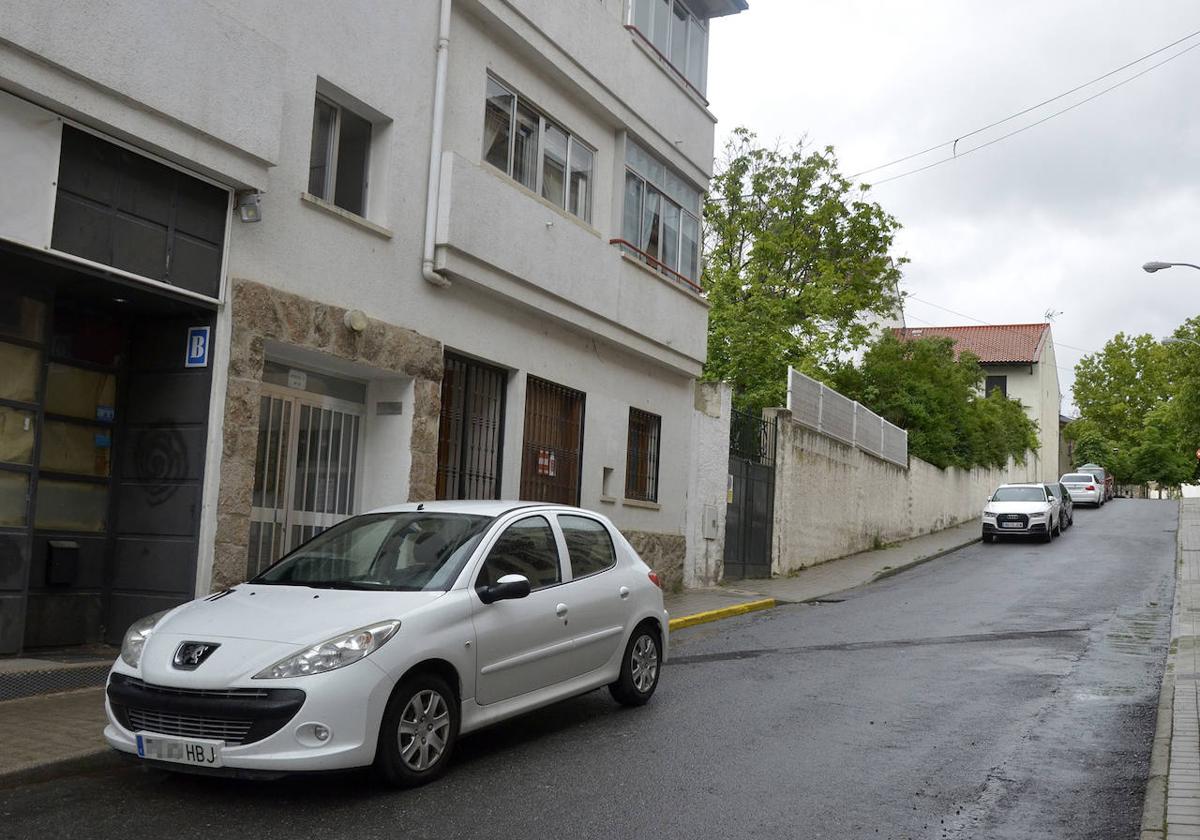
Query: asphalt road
[(1003, 691)]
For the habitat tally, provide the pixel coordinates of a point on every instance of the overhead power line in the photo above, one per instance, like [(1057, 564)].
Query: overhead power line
[(954, 143)]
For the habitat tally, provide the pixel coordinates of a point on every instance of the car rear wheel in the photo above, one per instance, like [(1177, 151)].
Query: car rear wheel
[(639, 668), (419, 730)]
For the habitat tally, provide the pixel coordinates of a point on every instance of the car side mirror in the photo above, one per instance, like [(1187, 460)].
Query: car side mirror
[(507, 588)]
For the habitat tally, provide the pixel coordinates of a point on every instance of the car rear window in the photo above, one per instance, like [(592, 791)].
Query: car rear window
[(1078, 478)]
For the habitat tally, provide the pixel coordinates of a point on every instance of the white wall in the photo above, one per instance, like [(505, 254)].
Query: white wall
[(832, 500), (708, 473)]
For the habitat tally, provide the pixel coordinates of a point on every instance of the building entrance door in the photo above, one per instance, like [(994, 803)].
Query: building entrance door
[(305, 473)]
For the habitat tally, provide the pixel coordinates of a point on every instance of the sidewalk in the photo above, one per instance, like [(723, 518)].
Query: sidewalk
[(815, 582), (57, 734), (1172, 808)]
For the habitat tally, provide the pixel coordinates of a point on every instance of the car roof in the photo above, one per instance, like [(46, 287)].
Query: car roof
[(495, 507), (1024, 484)]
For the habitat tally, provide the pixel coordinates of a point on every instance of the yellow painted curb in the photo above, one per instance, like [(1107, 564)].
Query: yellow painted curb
[(723, 612)]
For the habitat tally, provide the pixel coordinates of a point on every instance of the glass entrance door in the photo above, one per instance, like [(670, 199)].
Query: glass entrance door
[(306, 471)]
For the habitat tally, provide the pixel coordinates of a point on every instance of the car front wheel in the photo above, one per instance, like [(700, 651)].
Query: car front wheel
[(639, 668), (420, 728)]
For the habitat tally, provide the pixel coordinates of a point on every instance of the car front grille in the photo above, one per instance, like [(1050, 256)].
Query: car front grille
[(190, 726), (233, 715), (1020, 518)]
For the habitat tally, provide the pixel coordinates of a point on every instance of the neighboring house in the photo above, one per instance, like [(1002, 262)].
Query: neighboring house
[(1018, 360), (243, 295)]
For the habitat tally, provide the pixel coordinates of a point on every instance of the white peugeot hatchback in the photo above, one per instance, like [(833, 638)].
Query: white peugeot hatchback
[(386, 637)]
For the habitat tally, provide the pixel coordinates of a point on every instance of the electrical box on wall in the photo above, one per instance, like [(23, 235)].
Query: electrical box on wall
[(711, 523)]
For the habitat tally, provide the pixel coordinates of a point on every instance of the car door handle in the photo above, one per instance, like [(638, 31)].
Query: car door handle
[(623, 591), (560, 610)]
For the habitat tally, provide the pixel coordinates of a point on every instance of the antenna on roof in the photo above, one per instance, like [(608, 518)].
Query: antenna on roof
[(1050, 314)]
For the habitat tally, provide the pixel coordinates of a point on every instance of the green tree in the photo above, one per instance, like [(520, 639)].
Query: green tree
[(1091, 447), (1160, 455), (1117, 387), (796, 257), (921, 387)]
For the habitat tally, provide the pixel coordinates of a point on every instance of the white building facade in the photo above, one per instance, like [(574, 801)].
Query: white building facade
[(474, 274)]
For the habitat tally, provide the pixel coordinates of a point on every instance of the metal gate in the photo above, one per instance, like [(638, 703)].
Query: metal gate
[(306, 472), (750, 503)]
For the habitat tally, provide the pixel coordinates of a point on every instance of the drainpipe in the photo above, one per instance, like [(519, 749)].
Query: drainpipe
[(435, 148)]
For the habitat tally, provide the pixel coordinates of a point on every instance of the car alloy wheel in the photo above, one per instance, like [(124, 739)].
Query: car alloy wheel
[(640, 668), (644, 663), (424, 730), (418, 731)]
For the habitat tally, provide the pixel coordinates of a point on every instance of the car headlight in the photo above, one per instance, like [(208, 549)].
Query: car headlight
[(337, 652), (136, 636), (987, 514), (1041, 515)]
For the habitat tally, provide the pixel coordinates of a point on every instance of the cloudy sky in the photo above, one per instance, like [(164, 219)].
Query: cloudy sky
[(1059, 217)]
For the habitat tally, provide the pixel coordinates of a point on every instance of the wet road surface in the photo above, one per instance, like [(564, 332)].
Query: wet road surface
[(1003, 691)]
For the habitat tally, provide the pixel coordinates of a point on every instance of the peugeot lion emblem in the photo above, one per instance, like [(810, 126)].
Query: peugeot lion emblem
[(190, 655)]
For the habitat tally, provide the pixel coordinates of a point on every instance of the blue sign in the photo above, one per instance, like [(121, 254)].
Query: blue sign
[(197, 347)]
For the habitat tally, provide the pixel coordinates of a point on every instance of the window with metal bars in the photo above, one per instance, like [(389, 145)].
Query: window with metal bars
[(553, 443), (641, 459), (471, 430)]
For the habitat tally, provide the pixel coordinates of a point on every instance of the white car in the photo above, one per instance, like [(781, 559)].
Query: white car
[(388, 636), (1084, 488), (1022, 510)]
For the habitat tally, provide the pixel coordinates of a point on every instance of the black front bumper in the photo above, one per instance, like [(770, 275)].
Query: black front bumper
[(1034, 528), (236, 716)]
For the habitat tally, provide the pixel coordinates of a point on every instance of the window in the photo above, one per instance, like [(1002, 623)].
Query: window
[(589, 546), (678, 35), (553, 445), (341, 151), (471, 430), (661, 218), (526, 548), (641, 460), (996, 383), (536, 152)]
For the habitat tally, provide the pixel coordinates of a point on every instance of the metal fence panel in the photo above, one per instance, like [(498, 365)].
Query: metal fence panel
[(804, 399), (868, 429), (895, 444), (837, 415), (823, 409)]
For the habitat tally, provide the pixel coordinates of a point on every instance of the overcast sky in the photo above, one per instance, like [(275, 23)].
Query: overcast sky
[(1059, 217)]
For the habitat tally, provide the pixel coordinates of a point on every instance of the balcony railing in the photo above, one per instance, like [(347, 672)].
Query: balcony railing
[(655, 263)]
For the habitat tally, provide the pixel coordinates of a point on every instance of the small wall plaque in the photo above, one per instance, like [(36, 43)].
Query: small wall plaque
[(386, 407)]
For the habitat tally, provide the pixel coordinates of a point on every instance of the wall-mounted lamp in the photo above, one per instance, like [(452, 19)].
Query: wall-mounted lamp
[(249, 205), (355, 320)]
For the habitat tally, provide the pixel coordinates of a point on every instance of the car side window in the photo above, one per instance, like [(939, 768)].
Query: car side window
[(526, 548), (589, 545)]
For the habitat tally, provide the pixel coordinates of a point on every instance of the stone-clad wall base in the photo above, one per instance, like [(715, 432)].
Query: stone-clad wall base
[(664, 553), (262, 313)]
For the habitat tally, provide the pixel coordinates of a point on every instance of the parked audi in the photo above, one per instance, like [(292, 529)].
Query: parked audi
[(385, 638), (1021, 510), (1084, 488)]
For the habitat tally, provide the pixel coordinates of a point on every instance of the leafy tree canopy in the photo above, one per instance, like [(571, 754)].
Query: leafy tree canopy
[(797, 260), (921, 386)]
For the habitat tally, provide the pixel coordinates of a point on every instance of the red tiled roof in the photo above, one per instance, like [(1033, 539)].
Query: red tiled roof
[(994, 345)]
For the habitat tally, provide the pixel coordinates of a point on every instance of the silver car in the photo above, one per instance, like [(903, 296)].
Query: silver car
[(1084, 488), (1022, 510)]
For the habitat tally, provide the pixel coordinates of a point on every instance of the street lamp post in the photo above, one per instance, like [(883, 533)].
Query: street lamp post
[(1155, 265), (1173, 340)]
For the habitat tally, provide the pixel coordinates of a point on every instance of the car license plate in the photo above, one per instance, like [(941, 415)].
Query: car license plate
[(1010, 524), (200, 753)]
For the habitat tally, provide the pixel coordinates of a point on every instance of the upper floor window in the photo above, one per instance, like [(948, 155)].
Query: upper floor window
[(536, 152), (341, 152), (662, 213), (678, 35)]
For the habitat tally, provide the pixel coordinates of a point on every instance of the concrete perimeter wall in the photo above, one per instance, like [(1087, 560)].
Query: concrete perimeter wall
[(832, 500)]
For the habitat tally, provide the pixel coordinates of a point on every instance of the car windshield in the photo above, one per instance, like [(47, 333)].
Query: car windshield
[(1078, 478), (1019, 494), (408, 552)]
